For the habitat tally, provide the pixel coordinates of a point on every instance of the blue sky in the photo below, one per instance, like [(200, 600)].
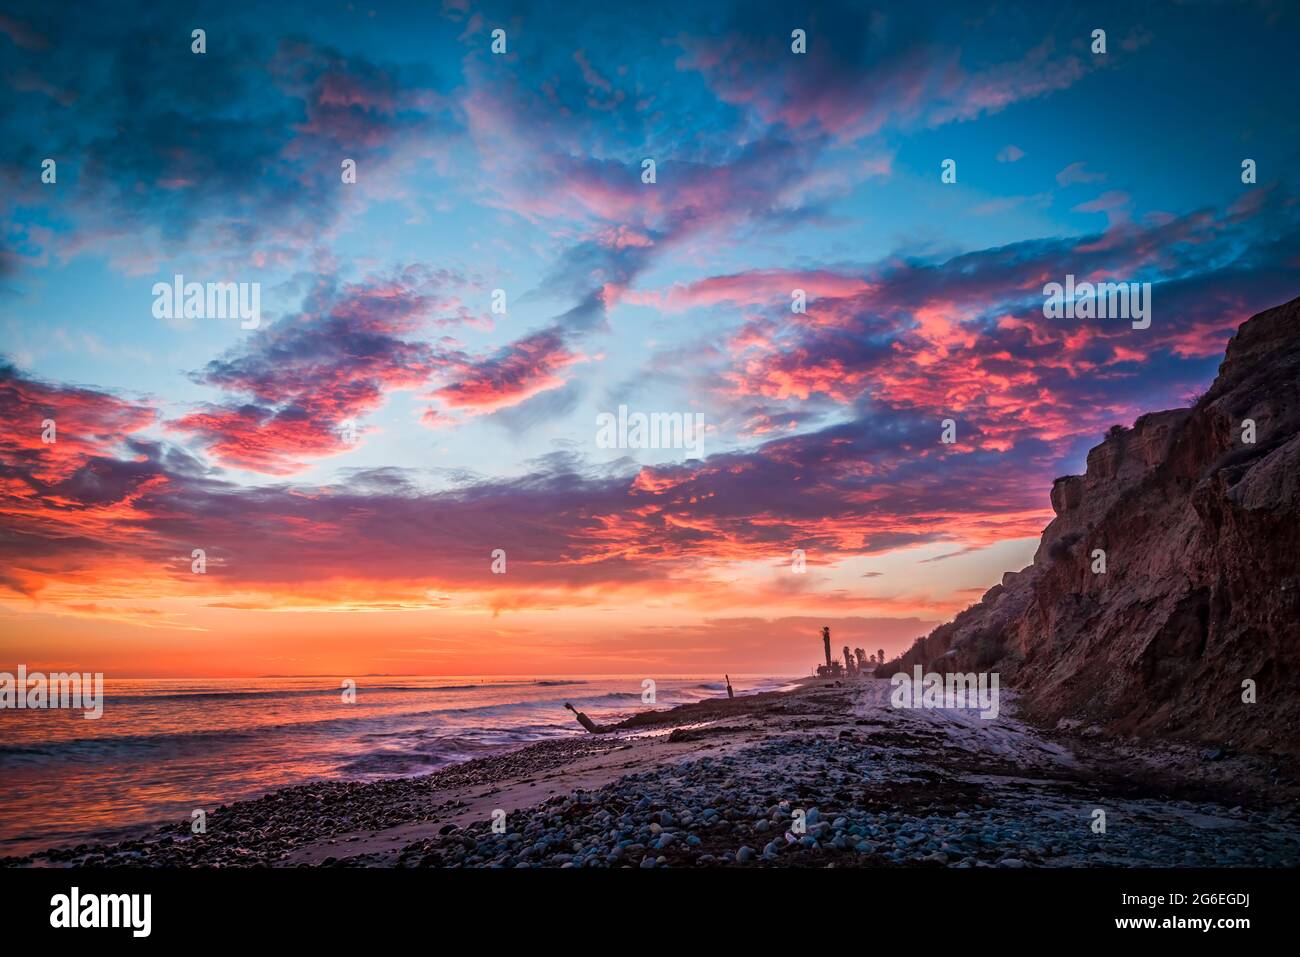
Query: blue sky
[(522, 172)]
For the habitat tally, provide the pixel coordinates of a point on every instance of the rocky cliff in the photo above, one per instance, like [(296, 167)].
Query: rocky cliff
[(1201, 588)]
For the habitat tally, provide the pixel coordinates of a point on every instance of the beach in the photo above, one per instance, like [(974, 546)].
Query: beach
[(163, 748), (825, 774)]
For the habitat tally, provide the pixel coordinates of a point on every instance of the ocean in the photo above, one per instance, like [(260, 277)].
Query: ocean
[(166, 747)]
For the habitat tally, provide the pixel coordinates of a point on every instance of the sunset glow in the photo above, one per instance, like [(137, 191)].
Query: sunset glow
[(348, 468)]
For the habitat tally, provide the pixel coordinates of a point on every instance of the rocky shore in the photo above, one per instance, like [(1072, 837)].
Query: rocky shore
[(827, 775)]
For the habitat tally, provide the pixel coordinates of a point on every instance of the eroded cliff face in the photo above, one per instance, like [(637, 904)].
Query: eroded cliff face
[(1201, 534)]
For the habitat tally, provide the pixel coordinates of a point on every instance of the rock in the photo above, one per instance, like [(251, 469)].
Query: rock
[(1199, 532)]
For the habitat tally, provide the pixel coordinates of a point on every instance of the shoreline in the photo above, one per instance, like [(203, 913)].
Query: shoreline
[(723, 778), (164, 752), (562, 742)]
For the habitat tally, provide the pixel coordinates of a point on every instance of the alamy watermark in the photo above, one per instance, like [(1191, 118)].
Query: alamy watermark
[(179, 299), (1103, 300), (656, 430), (75, 909), (79, 692), (953, 690)]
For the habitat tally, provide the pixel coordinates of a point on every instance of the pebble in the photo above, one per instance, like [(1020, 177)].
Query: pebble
[(858, 798)]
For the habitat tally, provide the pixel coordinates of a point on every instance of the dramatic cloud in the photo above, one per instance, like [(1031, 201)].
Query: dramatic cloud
[(51, 431), (309, 377), (235, 150), (795, 271), (967, 338), (867, 68), (573, 533)]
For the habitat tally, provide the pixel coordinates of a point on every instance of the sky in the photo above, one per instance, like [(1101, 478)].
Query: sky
[(399, 470)]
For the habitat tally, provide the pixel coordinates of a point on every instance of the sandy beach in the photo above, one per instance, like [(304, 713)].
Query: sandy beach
[(721, 783)]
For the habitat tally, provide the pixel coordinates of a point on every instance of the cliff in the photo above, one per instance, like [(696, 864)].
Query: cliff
[(1201, 588)]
